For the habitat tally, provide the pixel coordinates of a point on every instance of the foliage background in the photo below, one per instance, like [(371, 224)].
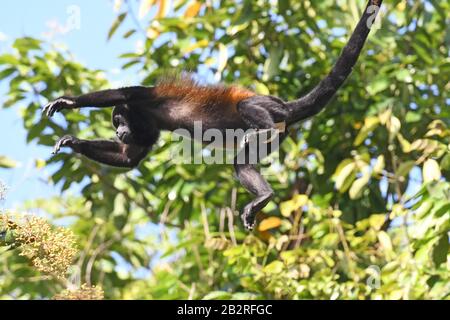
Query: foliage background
[(362, 205)]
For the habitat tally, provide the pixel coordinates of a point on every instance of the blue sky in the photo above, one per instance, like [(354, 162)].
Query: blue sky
[(90, 46)]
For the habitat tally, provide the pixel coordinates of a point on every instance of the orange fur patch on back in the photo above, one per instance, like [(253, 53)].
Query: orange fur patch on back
[(185, 89)]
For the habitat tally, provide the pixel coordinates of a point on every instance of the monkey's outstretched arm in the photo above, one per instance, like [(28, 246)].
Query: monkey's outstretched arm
[(100, 99), (318, 98), (108, 152)]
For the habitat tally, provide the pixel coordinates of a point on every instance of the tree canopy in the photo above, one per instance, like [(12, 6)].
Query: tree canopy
[(362, 191)]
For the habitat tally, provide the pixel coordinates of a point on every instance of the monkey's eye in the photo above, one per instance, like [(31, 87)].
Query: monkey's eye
[(117, 120)]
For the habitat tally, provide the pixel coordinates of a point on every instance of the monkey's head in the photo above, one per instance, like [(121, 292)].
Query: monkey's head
[(121, 121), (133, 128)]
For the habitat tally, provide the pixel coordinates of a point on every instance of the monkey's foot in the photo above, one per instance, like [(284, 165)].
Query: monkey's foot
[(57, 105), (248, 218), (66, 141)]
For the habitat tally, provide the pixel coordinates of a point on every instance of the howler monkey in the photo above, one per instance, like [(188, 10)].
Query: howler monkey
[(141, 112)]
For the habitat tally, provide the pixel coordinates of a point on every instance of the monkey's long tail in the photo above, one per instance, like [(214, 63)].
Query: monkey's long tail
[(317, 99)]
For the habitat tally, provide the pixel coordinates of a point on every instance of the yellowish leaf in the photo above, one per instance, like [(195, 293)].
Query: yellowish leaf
[(274, 267), (358, 186), (370, 123), (431, 171), (232, 30), (145, 7), (385, 240), (281, 241), (288, 207), (269, 223), (385, 116), (40, 163), (343, 174), (427, 145), (163, 9), (376, 221), (261, 88), (223, 57), (209, 62), (394, 125), (117, 5), (379, 165), (406, 146), (300, 200), (193, 10), (7, 162), (152, 33), (200, 44)]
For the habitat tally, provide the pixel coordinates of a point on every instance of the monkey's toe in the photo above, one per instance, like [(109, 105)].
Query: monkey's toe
[(248, 218)]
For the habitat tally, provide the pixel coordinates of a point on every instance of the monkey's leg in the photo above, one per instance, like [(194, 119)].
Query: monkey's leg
[(254, 182), (99, 99), (107, 152), (255, 115), (262, 112)]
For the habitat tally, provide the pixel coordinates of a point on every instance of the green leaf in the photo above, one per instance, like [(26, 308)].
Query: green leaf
[(218, 295), (403, 75), (116, 24), (445, 162), (412, 116), (274, 267), (6, 73), (423, 52), (378, 85), (283, 6), (404, 168), (440, 250), (26, 44), (8, 59), (129, 34)]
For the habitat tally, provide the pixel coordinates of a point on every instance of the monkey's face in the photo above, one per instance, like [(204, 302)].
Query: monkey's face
[(122, 124), (123, 132)]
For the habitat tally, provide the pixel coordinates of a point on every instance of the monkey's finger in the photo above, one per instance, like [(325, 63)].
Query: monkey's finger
[(47, 107), (50, 108), (58, 145), (55, 106), (56, 148)]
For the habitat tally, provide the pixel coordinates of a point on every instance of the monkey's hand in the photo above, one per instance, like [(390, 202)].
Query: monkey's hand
[(58, 105), (66, 141)]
